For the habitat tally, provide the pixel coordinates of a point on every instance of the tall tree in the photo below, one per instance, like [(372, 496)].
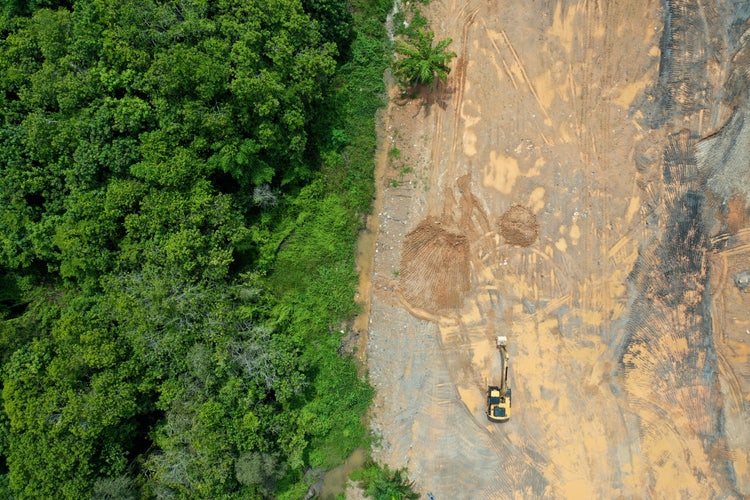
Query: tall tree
[(422, 61)]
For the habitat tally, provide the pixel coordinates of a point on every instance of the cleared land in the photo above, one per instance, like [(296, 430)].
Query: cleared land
[(580, 185)]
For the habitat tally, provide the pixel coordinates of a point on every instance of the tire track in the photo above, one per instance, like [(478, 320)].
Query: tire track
[(718, 307), (522, 68), (461, 70), (670, 358)]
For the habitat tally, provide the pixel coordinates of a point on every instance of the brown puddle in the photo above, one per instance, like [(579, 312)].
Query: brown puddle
[(364, 263), (335, 479)]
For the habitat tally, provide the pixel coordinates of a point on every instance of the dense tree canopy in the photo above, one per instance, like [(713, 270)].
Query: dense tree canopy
[(177, 214)]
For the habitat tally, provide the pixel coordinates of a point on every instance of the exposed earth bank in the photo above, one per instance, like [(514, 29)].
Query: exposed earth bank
[(581, 185)]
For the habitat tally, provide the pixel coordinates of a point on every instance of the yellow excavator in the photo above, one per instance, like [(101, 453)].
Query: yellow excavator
[(498, 397)]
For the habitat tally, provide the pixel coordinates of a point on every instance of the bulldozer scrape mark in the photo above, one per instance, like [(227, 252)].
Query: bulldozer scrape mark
[(461, 70), (522, 69)]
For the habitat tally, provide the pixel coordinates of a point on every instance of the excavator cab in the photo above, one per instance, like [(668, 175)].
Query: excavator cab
[(498, 397)]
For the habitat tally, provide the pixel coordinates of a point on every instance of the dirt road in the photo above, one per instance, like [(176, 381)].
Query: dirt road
[(580, 185)]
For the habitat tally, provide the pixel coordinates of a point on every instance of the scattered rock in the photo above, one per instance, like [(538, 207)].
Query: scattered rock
[(529, 306), (742, 280)]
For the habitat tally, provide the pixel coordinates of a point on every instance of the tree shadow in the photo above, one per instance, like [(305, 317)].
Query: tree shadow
[(437, 95)]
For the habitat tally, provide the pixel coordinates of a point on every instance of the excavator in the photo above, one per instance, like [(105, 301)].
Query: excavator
[(498, 397)]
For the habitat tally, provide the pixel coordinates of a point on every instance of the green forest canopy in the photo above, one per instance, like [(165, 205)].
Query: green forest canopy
[(182, 184)]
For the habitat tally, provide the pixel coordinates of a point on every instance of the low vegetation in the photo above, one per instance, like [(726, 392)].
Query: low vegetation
[(381, 483)]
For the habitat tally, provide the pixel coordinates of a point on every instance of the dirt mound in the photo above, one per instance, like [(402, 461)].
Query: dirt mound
[(434, 267), (518, 226)]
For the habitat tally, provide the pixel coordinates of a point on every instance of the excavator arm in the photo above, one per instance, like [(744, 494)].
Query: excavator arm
[(498, 397), (504, 358)]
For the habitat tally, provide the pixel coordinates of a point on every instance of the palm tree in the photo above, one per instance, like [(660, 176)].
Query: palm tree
[(422, 63)]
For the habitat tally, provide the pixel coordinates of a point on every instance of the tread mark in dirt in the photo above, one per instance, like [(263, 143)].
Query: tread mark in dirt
[(735, 388), (525, 470), (525, 75), (461, 66), (669, 345), (717, 316), (506, 69)]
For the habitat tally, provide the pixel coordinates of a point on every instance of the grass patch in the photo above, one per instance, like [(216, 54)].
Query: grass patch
[(313, 271)]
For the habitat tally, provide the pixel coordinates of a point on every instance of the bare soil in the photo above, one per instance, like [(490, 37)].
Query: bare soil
[(518, 226), (579, 185)]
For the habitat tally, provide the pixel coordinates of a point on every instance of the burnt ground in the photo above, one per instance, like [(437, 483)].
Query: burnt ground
[(581, 184)]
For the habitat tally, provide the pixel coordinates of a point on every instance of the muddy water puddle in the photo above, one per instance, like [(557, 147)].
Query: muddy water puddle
[(335, 479)]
